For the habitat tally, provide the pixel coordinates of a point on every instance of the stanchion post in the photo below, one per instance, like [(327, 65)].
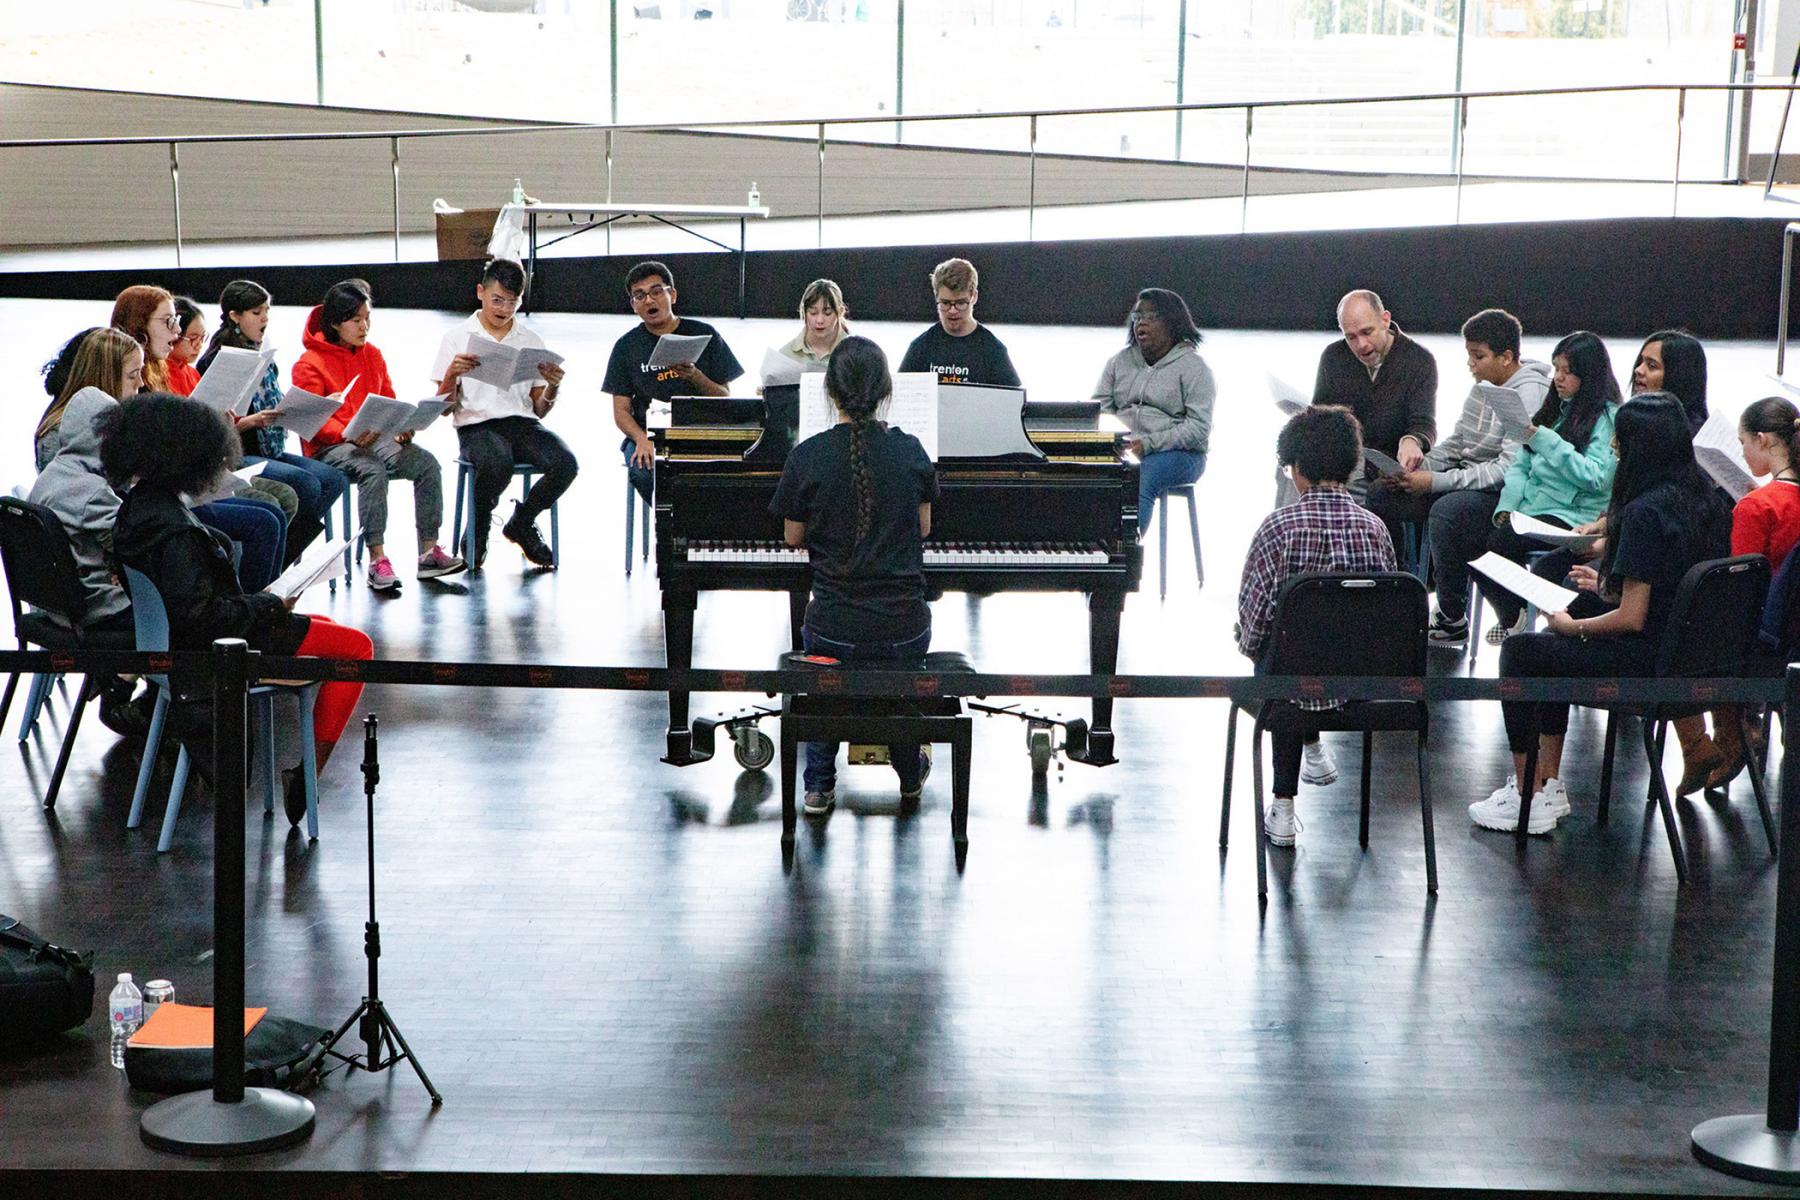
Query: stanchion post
[(1764, 1146), (233, 1119)]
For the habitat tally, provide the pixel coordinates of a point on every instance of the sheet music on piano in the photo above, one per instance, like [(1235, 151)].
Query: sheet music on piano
[(913, 407)]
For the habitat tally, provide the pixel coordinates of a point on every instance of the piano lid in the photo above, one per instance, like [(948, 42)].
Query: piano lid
[(977, 421)]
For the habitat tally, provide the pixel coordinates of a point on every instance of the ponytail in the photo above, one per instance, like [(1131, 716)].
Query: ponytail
[(1778, 416), (240, 295), (857, 380)]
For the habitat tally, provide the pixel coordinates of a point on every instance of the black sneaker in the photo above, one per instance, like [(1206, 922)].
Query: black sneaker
[(293, 794), (525, 534), (123, 715), (1445, 632), (477, 546)]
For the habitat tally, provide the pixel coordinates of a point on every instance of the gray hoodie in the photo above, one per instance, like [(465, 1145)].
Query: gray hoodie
[(1477, 453), (71, 486), (1167, 406)]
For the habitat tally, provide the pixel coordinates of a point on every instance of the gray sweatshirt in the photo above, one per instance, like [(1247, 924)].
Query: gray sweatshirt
[(72, 486), (1477, 453), (1168, 405)]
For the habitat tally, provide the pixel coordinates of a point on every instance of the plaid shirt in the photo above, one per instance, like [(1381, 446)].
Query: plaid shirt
[(1324, 531)]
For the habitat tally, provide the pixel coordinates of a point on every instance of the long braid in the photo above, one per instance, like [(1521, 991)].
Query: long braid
[(857, 380), (861, 481)]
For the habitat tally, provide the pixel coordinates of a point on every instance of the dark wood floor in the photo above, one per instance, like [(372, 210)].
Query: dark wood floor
[(604, 967)]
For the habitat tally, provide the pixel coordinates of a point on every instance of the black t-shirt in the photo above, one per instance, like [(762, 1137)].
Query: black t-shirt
[(1662, 533), (978, 357), (872, 590), (628, 375)]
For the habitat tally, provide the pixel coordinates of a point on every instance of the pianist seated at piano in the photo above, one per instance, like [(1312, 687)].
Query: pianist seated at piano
[(1162, 390), (823, 324), (858, 498), (633, 383)]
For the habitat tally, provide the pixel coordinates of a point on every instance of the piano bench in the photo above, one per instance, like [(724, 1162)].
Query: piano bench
[(887, 721)]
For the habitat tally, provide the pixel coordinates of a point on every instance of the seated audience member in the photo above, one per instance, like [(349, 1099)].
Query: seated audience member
[(184, 352), (1162, 390), (339, 358), (958, 348), (1324, 531), (1457, 484), (858, 497), (633, 383), (243, 319), (73, 486), (147, 313), (160, 447), (1664, 516), (1674, 361), (1564, 475), (823, 324), (1386, 379), (500, 428), (102, 360), (1765, 522)]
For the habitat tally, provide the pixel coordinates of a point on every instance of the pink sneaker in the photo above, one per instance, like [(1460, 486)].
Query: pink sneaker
[(381, 575), (436, 562)]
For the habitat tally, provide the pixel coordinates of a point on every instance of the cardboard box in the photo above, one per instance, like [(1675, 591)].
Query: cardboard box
[(465, 234)]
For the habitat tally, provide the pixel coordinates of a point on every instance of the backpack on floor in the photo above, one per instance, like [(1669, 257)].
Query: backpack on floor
[(278, 1053), (44, 989)]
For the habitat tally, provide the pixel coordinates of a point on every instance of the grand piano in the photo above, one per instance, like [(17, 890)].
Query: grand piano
[(1031, 497)]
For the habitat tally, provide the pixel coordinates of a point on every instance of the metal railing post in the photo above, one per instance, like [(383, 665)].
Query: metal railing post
[(1462, 141), (1031, 194), (821, 232), (175, 187), (1675, 177), (394, 155), (609, 194), (1244, 210)]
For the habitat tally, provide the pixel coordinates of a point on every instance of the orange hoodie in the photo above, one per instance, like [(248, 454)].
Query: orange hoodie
[(327, 366)]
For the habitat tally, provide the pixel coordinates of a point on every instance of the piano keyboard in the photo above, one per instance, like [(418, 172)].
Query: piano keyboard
[(953, 554)]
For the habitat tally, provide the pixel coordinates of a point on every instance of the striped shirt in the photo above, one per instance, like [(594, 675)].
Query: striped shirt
[(1324, 531)]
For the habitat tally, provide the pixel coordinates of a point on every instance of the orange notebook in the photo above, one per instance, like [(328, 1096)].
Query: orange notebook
[(185, 1027)]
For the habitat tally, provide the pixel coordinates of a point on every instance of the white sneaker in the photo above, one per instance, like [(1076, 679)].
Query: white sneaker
[(1280, 822), (1318, 767), (1501, 810), (1552, 799)]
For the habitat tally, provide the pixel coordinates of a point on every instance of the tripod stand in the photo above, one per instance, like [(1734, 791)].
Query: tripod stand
[(380, 1035)]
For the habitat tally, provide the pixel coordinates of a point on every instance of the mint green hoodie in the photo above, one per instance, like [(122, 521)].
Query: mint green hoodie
[(1550, 478)]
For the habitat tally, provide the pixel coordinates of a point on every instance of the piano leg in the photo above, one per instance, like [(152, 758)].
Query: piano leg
[(678, 643), (797, 616), (1104, 612)]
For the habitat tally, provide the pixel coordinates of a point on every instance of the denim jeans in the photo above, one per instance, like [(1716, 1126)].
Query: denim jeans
[(821, 757), (1161, 471)]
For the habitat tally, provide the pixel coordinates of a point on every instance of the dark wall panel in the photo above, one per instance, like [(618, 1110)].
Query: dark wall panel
[(1717, 276)]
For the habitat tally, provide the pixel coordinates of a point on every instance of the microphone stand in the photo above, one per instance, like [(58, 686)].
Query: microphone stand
[(375, 1025)]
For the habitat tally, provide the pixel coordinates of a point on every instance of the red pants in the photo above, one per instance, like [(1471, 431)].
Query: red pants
[(325, 638)]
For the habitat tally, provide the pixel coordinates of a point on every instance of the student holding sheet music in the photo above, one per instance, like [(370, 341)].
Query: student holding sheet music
[(501, 425), (1674, 361), (339, 358), (106, 361), (159, 447), (147, 314), (243, 320), (1162, 390), (1388, 380), (1564, 475), (1456, 485), (1663, 517), (823, 325), (858, 496), (959, 348), (636, 373)]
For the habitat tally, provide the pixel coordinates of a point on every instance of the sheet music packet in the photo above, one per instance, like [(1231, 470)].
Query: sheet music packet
[(1554, 535), (231, 378), (229, 484), (1508, 407), (390, 418), (304, 413), (1287, 397), (315, 564), (913, 407), (1385, 465), (1717, 451), (673, 348), (506, 366), (779, 370), (1536, 591)]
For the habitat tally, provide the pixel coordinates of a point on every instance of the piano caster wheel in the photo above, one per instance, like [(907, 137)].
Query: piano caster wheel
[(1037, 740), (752, 747)]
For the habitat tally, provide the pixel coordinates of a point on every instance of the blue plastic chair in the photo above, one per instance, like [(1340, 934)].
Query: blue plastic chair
[(465, 484), (152, 622)]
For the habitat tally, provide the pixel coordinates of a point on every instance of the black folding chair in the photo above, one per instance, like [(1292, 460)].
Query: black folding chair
[(41, 572), (1372, 624), (1711, 631)]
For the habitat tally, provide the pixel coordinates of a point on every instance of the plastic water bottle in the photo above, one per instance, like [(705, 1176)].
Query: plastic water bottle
[(754, 197), (127, 1009), (518, 191)]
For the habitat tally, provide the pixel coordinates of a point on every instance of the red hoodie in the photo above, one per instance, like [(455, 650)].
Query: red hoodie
[(327, 366), (183, 379)]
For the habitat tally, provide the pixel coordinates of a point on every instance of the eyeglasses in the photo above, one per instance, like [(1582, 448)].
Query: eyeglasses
[(650, 293), (172, 322), (195, 338), (1139, 317), (956, 305)]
